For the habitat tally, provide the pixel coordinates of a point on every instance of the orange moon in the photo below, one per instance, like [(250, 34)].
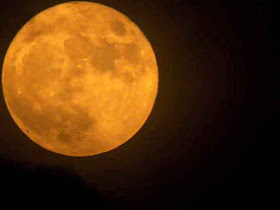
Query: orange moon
[(80, 79)]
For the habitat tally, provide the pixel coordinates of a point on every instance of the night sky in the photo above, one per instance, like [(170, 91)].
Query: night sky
[(207, 141)]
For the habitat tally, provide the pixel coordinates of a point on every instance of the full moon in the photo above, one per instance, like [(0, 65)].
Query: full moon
[(80, 79)]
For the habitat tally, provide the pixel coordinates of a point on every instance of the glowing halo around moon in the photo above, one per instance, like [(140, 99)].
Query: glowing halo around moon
[(80, 79)]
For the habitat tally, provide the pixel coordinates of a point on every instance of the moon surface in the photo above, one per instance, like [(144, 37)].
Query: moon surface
[(80, 79)]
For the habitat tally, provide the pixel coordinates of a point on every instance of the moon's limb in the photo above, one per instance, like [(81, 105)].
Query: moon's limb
[(80, 79)]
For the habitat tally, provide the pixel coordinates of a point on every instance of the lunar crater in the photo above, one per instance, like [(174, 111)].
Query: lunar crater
[(78, 47), (118, 28), (132, 53), (103, 57)]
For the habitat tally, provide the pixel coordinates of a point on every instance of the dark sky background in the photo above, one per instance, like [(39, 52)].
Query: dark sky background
[(207, 142)]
